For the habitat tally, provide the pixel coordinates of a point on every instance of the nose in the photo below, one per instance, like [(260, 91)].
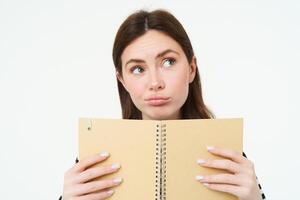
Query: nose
[(156, 81)]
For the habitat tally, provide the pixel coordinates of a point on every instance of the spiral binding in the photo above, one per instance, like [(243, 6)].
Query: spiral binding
[(163, 159), (160, 178), (157, 164)]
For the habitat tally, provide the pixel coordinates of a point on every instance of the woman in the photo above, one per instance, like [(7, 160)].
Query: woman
[(158, 79)]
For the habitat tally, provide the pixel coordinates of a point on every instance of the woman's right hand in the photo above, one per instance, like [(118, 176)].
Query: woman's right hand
[(79, 183)]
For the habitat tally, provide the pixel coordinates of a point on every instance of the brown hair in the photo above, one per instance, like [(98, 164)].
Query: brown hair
[(135, 26)]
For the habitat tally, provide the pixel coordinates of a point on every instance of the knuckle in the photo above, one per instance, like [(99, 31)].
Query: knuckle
[(111, 183), (226, 178), (91, 174), (209, 162), (108, 169), (223, 188), (85, 162), (227, 164), (104, 184), (208, 178), (91, 187), (236, 154), (97, 171), (104, 170)]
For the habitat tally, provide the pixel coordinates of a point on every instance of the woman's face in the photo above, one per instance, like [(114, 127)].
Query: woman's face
[(156, 74)]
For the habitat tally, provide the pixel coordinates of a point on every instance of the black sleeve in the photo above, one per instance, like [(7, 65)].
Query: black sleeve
[(261, 191)]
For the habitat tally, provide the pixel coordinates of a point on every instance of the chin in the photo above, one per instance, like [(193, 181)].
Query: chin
[(160, 114)]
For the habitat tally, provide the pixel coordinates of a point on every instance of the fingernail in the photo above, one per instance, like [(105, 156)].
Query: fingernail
[(115, 166), (104, 154), (200, 161), (206, 184), (210, 148), (110, 192), (117, 180), (199, 177)]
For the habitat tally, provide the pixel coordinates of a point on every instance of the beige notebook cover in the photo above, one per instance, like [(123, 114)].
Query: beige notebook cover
[(158, 158)]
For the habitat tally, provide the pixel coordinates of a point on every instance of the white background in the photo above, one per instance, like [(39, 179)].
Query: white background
[(56, 66)]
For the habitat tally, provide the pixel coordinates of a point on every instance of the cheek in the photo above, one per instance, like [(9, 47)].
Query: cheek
[(179, 82), (135, 88)]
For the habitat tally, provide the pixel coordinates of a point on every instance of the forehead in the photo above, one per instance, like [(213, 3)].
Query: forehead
[(149, 45)]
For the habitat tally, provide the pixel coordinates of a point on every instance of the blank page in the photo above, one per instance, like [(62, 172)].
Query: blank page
[(186, 141)]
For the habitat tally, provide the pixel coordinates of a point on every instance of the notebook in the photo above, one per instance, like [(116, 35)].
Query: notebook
[(159, 157)]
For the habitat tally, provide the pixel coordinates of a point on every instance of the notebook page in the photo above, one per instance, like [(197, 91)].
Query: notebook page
[(130, 143), (186, 141)]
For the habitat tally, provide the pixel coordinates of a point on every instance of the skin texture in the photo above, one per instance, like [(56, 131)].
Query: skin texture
[(166, 75), (79, 183), (241, 179)]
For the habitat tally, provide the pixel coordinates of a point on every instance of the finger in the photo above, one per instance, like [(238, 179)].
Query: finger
[(233, 155), (231, 189), (83, 164), (97, 195), (219, 178), (95, 186), (220, 164), (95, 172)]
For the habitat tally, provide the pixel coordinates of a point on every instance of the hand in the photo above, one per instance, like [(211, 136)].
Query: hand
[(79, 183), (241, 179)]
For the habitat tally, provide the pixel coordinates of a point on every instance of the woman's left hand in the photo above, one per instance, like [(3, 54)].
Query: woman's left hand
[(241, 179)]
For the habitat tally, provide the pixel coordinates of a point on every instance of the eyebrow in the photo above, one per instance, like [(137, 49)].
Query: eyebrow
[(157, 56)]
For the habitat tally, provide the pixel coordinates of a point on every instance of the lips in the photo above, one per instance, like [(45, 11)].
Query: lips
[(158, 100)]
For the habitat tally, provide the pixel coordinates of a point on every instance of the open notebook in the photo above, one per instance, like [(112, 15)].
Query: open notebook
[(159, 158)]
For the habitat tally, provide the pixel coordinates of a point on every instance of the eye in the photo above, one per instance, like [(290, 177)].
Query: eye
[(136, 70), (168, 62)]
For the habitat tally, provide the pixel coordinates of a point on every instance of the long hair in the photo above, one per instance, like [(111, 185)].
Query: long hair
[(136, 25)]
